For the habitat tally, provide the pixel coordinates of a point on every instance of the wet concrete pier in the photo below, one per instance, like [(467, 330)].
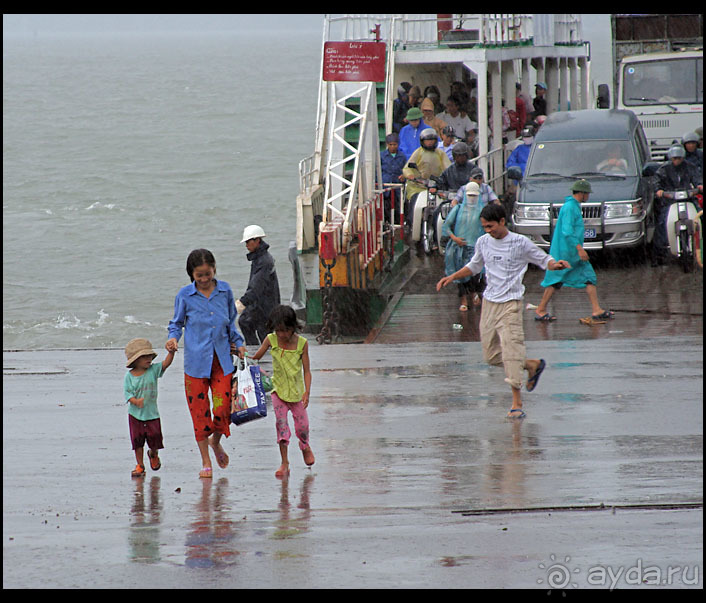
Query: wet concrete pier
[(420, 481), (648, 302)]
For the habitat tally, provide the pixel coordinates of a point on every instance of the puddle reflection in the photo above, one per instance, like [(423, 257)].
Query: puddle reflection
[(290, 524), (498, 467), (146, 510), (209, 542)]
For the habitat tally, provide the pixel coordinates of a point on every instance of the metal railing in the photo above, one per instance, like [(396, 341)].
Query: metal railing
[(493, 165), (308, 176), (337, 166), (493, 29)]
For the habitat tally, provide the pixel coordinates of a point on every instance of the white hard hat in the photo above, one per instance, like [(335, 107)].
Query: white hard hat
[(251, 232), (472, 189)]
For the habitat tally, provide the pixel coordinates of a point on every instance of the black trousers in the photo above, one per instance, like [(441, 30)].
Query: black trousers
[(252, 326)]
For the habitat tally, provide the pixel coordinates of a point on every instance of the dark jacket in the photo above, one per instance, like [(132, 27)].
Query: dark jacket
[(400, 106), (455, 176), (683, 176), (696, 159), (540, 106), (392, 166), (262, 293)]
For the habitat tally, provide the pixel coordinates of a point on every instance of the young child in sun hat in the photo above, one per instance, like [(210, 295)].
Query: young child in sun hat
[(140, 387)]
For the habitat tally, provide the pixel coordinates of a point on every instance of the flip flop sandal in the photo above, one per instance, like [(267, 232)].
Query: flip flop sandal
[(206, 472), (155, 463), (463, 308), (545, 318), (534, 379), (521, 414), (605, 315), (138, 471), (591, 321)]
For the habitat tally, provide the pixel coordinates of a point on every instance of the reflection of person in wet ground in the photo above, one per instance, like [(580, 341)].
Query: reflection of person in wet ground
[(144, 536), (505, 256), (288, 525), (209, 542)]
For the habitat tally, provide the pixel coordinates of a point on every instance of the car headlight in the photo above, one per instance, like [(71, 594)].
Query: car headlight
[(618, 210), (623, 210), (532, 212)]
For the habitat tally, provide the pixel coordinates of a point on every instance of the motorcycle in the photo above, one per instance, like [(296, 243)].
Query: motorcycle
[(426, 214), (681, 225), (438, 223), (433, 217)]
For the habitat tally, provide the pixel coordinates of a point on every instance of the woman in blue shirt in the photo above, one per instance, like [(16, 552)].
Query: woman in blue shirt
[(205, 310)]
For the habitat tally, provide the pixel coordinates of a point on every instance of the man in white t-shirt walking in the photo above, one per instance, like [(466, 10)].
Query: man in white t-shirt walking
[(505, 256)]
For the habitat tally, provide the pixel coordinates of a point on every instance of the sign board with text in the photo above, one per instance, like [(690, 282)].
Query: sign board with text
[(354, 61)]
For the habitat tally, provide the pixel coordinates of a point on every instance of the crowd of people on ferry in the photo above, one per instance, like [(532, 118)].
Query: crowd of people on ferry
[(431, 139), (440, 140)]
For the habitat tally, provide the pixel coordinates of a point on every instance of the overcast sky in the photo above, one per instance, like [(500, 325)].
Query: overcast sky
[(103, 23)]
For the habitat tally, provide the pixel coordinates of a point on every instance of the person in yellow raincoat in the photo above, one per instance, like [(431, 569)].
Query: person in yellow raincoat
[(429, 161), (567, 244)]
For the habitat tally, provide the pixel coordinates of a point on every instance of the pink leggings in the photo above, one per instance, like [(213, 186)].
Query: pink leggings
[(301, 421)]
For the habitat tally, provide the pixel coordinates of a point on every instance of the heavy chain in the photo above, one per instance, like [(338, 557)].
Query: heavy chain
[(329, 322)]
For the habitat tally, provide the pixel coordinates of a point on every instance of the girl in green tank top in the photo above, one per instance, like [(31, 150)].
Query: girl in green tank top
[(291, 380)]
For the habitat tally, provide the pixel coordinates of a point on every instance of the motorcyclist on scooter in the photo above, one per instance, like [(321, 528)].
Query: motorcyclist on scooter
[(459, 173), (428, 161), (674, 174), (694, 155)]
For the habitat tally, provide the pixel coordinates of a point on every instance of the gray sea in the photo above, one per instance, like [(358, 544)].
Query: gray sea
[(122, 153)]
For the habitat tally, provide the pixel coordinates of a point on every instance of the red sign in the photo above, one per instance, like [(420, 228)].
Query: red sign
[(354, 61)]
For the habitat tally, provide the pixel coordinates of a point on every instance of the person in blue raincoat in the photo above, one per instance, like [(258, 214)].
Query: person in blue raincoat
[(520, 155), (463, 226), (409, 134), (567, 244)]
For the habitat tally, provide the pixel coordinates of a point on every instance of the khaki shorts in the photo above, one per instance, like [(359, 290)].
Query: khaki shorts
[(503, 338)]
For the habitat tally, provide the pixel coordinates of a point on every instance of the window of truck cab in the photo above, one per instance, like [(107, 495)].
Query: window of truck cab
[(665, 81)]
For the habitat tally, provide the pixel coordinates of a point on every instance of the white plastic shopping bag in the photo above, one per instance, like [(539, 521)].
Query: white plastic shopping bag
[(250, 402)]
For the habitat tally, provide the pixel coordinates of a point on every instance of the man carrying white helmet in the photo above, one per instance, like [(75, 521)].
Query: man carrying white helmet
[(262, 294)]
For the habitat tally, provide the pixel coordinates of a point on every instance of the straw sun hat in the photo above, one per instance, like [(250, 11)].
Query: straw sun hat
[(136, 348)]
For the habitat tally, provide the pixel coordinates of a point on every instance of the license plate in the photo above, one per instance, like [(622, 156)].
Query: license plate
[(589, 233)]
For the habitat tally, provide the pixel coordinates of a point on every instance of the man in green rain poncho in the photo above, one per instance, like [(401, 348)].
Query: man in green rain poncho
[(567, 244)]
